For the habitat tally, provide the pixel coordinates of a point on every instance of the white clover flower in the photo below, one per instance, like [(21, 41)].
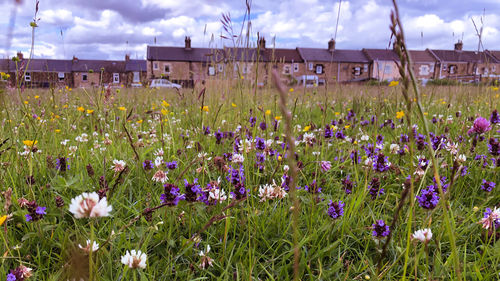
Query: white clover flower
[(286, 168), (72, 150), (118, 165), (160, 176), (158, 161), (88, 205), (134, 259), (461, 158), (423, 235), (365, 138), (452, 147), (87, 248), (394, 148), (206, 261), (238, 158), (217, 194), (159, 151), (309, 138), (64, 142)]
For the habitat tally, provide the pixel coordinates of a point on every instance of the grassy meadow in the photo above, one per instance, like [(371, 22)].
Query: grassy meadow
[(198, 180)]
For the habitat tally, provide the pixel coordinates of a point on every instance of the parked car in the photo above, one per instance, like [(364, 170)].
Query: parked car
[(163, 83), (136, 85)]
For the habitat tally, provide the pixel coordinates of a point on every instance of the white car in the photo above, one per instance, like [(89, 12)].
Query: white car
[(163, 83)]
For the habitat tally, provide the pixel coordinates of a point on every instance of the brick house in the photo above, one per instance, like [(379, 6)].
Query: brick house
[(93, 73), (466, 66), (424, 64), (135, 72), (383, 64), (335, 65), (184, 65)]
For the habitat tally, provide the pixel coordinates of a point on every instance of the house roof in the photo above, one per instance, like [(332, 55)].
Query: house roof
[(96, 65), (59, 66), (282, 55), (421, 56), (460, 56), (135, 65), (243, 54), (495, 55), (182, 54), (324, 55), (381, 54)]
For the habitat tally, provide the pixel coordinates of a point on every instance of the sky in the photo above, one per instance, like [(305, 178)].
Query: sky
[(109, 29)]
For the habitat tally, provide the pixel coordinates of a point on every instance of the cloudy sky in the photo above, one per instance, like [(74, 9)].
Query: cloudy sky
[(108, 29)]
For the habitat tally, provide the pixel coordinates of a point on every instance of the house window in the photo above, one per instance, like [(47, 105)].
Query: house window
[(211, 70), (387, 69), (319, 69), (453, 69), (295, 67), (60, 75), (136, 77), (166, 68), (311, 66), (493, 68), (220, 67), (155, 66), (356, 71), (485, 70), (27, 76), (286, 69), (424, 70), (116, 78), (245, 69), (365, 68), (84, 77)]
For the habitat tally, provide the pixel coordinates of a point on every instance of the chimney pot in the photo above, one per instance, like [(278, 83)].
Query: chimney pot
[(20, 55), (331, 45), (127, 57), (262, 43), (187, 43), (459, 45)]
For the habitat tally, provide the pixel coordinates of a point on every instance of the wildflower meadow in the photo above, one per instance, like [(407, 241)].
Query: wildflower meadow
[(147, 184)]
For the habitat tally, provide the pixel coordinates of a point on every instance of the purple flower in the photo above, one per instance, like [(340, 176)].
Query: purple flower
[(328, 132), (429, 197), (487, 185), (11, 277), (171, 197), (347, 184), (206, 130), (147, 165), (404, 138), (487, 215), (192, 190), (380, 229), (252, 121), (481, 125), (62, 164), (313, 188), (374, 188), (41, 210), (495, 117), (171, 165), (28, 217), (260, 143), (263, 126), (260, 158), (381, 163), (325, 166), (494, 146), (335, 209)]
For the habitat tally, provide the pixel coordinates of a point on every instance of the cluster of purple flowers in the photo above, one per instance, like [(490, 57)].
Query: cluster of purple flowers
[(374, 188), (171, 165), (313, 187), (35, 212), (494, 147), (335, 209), (193, 190), (481, 125), (487, 215), (62, 164), (236, 177), (147, 165), (380, 229), (488, 185), (347, 184), (381, 163), (429, 197), (172, 195), (494, 117)]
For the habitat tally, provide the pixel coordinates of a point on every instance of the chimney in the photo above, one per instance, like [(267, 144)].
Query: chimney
[(75, 59), (187, 43), (459, 45), (262, 43), (20, 55), (127, 57), (331, 45)]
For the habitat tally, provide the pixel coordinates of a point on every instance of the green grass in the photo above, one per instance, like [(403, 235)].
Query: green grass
[(254, 239)]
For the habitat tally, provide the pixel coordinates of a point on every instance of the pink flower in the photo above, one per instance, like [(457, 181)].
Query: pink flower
[(325, 165), (481, 125)]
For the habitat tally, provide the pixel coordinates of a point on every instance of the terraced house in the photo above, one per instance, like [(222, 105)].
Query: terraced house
[(47, 73)]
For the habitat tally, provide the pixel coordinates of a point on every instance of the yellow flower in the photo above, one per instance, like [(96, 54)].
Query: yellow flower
[(347, 126), (400, 114), (90, 111), (65, 106), (494, 88), (139, 121), (291, 90), (164, 111), (57, 130), (280, 158), (337, 113), (3, 219), (333, 128), (233, 104), (277, 118), (164, 103), (393, 83), (307, 128), (36, 97), (30, 142), (205, 108), (26, 102), (425, 113), (81, 109), (122, 108), (268, 112)]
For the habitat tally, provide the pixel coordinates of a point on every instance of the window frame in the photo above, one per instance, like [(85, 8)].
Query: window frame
[(116, 78), (295, 67), (85, 77), (156, 65), (311, 66), (287, 69), (27, 76), (319, 69)]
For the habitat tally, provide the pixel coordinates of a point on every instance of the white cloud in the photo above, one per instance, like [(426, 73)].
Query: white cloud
[(59, 17)]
